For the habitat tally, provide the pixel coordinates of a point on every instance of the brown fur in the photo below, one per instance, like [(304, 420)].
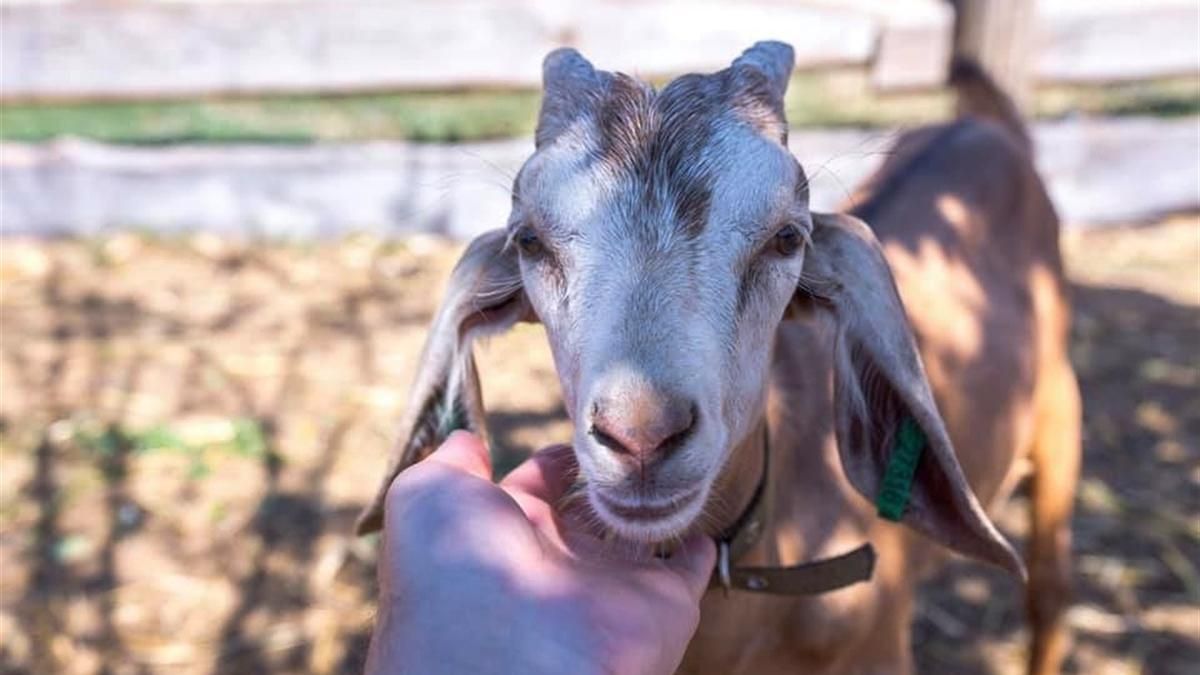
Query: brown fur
[(958, 206), (964, 236)]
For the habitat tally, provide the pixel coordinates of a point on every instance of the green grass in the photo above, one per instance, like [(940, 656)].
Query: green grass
[(244, 438), (441, 117), (837, 98), (1175, 97)]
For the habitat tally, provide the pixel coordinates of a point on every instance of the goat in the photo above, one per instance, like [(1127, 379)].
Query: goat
[(723, 350)]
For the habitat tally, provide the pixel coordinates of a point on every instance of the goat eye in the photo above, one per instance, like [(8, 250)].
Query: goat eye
[(528, 242), (788, 240)]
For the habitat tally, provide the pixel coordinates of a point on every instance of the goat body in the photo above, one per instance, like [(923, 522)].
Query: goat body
[(972, 241), (690, 297)]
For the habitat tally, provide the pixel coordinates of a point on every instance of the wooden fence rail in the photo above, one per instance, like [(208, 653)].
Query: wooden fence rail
[(83, 188), (138, 50)]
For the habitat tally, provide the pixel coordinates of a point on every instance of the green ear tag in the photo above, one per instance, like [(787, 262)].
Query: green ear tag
[(901, 467)]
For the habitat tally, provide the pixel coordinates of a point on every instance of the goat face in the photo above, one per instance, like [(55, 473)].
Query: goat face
[(660, 235)]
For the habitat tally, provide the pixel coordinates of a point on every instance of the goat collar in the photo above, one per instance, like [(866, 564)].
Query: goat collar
[(810, 578)]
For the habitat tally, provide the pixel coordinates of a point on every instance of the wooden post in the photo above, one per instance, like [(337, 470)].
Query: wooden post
[(998, 34)]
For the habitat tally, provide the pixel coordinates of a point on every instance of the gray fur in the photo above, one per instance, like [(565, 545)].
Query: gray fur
[(655, 214)]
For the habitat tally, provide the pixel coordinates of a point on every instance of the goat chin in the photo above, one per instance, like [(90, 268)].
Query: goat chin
[(667, 531)]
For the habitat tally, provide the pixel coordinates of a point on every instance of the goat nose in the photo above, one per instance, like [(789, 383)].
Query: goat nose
[(642, 424)]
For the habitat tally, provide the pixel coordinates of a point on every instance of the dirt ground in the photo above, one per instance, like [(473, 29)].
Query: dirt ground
[(188, 428)]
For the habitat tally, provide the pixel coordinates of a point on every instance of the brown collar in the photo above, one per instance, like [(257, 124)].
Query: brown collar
[(810, 578)]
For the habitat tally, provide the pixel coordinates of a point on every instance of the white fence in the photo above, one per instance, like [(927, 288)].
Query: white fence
[(1099, 171), (98, 50)]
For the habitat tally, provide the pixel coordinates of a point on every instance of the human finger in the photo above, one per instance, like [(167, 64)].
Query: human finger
[(693, 562), (464, 451), (546, 475)]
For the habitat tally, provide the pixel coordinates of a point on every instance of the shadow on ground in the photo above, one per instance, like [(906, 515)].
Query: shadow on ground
[(187, 431), (1137, 523)]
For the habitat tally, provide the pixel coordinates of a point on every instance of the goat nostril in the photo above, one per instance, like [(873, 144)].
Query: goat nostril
[(686, 425), (608, 441), (657, 435)]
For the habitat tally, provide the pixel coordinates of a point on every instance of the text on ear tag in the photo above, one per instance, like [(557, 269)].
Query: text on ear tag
[(896, 490)]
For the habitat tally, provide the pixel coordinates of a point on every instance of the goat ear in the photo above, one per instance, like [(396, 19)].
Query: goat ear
[(892, 442), (772, 60), (571, 86), (484, 296)]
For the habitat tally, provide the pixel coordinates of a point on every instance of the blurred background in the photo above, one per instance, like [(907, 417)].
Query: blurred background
[(225, 226)]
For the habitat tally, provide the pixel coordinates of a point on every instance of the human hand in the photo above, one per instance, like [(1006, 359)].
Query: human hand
[(483, 578)]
